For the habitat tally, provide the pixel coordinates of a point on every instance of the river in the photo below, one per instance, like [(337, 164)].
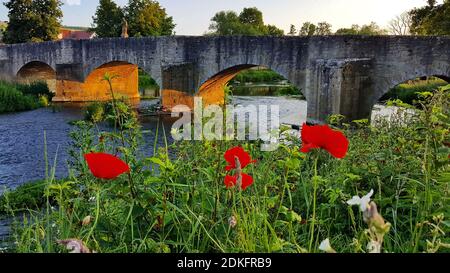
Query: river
[(22, 136)]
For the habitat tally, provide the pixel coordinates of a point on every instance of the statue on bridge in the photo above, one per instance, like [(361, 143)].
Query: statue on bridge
[(124, 29)]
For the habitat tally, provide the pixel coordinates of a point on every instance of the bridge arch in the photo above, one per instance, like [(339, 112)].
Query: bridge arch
[(125, 83), (406, 92), (36, 71), (402, 73), (212, 88)]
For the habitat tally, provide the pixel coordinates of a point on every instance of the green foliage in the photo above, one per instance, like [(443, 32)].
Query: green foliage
[(108, 19), (370, 29), (19, 97), (310, 29), (95, 112), (307, 29), (409, 92), (27, 196), (33, 20), (288, 91), (35, 89), (147, 18), (43, 101), (248, 22), (258, 76), (292, 30), (176, 201), (432, 19), (146, 81)]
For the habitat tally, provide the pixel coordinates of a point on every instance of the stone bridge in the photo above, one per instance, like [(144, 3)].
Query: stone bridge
[(337, 74)]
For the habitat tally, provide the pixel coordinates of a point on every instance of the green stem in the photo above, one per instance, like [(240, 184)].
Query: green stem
[(313, 221)]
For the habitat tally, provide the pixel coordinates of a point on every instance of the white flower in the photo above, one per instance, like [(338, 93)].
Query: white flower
[(232, 221), (374, 247), (74, 246), (363, 202), (325, 246)]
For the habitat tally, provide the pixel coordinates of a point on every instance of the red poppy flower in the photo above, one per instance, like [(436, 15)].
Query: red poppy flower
[(106, 166), (241, 154), (322, 136), (232, 181)]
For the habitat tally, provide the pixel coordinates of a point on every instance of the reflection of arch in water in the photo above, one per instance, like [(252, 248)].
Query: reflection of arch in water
[(37, 71), (125, 84)]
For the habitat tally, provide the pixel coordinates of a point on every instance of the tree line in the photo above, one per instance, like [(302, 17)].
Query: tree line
[(40, 20)]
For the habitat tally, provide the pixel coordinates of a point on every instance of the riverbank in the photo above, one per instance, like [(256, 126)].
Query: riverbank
[(16, 97)]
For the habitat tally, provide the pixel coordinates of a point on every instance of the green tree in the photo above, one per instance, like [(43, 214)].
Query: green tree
[(292, 30), (274, 31), (323, 28), (370, 29), (33, 20), (249, 22), (108, 19), (353, 30), (251, 16), (432, 19), (148, 18), (49, 14), (226, 23), (307, 29)]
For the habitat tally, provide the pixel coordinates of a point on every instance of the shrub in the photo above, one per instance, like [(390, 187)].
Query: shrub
[(95, 112), (409, 92), (22, 97)]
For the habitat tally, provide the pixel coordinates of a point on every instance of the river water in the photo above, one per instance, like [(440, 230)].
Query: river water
[(22, 136)]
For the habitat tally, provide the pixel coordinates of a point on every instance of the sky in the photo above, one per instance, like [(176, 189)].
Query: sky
[(193, 16)]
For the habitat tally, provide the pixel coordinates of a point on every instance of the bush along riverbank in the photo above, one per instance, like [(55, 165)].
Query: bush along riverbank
[(362, 188), (16, 97)]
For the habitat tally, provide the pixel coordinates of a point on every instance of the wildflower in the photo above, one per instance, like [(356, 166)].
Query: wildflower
[(106, 166), (363, 202), (374, 247), (322, 136), (325, 246), (243, 181), (87, 221), (243, 158), (232, 221), (238, 159), (375, 221), (378, 228), (74, 246)]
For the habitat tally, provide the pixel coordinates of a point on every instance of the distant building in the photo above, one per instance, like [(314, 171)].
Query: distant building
[(75, 33)]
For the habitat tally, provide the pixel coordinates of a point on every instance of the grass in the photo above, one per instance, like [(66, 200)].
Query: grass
[(258, 76), (408, 91), (22, 97), (176, 201)]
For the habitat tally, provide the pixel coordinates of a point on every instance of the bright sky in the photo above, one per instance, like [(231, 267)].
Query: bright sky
[(193, 16)]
